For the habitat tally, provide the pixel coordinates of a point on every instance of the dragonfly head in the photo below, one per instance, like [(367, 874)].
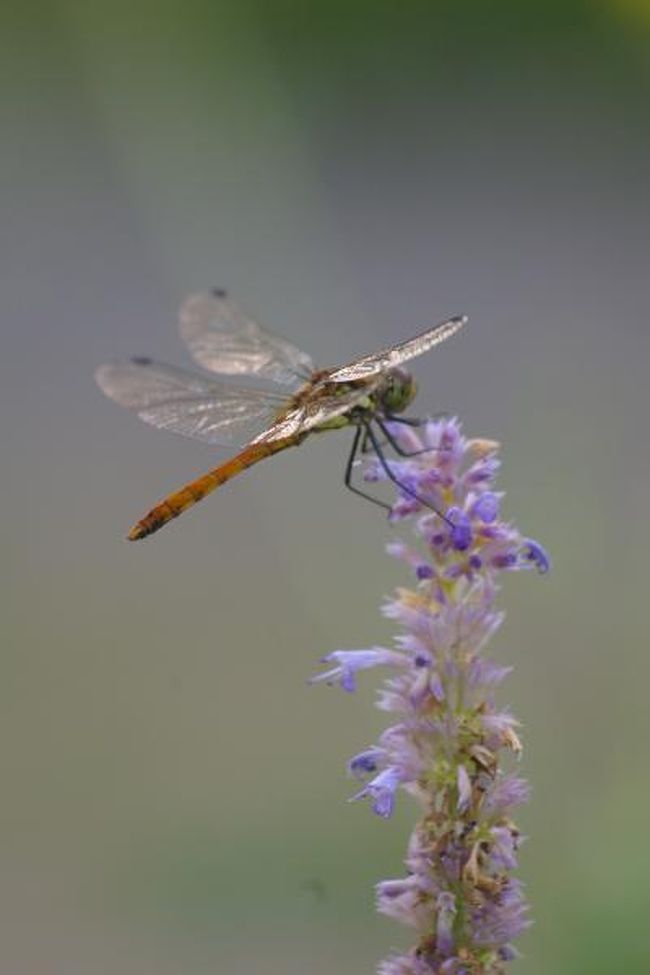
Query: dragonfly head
[(398, 391)]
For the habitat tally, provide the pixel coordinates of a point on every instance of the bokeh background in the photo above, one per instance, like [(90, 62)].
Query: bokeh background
[(174, 796)]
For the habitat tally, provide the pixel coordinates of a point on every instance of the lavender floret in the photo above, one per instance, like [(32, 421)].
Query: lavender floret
[(449, 739)]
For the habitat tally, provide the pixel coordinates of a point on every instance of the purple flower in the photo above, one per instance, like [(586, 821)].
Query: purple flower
[(505, 792), (348, 662), (448, 738), (382, 790), (402, 900), (366, 762), (482, 472), (504, 848), (536, 555), (486, 507), (461, 532), (486, 673), (446, 913), (464, 786), (424, 571), (404, 965)]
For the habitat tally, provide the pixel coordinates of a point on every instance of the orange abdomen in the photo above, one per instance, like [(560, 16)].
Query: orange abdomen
[(178, 502)]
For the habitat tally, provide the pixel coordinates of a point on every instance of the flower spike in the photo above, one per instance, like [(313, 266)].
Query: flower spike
[(449, 738)]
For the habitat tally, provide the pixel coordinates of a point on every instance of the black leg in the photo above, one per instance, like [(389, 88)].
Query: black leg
[(408, 421), (366, 446), (384, 463), (414, 421), (395, 443), (350, 465)]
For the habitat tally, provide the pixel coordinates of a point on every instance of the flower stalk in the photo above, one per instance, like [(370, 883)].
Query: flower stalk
[(449, 745)]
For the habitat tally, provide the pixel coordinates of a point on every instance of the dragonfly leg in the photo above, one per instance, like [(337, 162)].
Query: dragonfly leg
[(366, 446), (414, 421), (394, 443), (350, 465), (408, 421), (384, 463)]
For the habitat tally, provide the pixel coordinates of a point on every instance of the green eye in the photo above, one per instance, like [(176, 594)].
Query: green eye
[(399, 392)]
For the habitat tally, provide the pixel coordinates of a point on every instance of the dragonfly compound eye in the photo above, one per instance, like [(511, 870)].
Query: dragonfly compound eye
[(400, 391)]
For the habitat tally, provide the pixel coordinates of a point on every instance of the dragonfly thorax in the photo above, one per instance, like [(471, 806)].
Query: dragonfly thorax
[(397, 391)]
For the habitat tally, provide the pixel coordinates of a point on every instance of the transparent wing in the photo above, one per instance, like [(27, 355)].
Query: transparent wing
[(184, 402), (316, 411), (395, 356), (222, 339)]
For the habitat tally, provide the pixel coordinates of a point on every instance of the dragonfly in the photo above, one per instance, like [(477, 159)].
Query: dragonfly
[(368, 395)]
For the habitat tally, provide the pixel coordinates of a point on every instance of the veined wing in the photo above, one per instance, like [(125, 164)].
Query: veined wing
[(222, 339), (313, 413), (390, 358), (184, 402)]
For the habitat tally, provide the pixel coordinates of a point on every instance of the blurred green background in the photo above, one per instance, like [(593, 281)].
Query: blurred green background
[(174, 796)]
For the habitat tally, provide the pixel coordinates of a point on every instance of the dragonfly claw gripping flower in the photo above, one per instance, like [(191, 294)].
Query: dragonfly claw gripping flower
[(449, 742)]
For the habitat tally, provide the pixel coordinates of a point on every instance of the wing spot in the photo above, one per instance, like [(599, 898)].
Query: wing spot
[(141, 360), (219, 293)]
